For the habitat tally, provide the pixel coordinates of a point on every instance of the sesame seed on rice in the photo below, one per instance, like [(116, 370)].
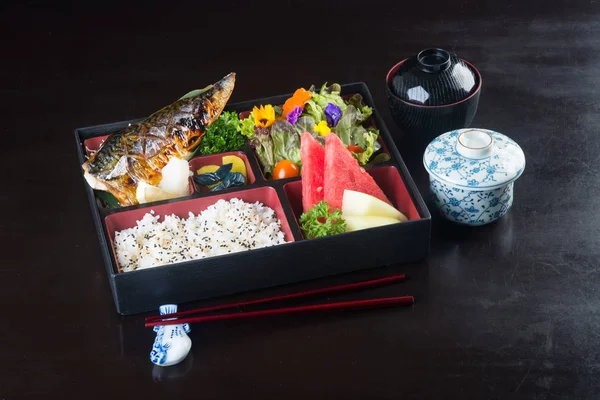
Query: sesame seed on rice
[(224, 227)]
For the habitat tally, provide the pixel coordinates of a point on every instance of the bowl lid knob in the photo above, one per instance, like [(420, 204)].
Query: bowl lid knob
[(474, 143), (433, 60)]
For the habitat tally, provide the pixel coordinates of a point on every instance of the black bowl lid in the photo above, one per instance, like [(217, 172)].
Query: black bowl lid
[(434, 77)]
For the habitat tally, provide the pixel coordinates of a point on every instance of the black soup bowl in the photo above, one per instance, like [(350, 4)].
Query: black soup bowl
[(432, 93)]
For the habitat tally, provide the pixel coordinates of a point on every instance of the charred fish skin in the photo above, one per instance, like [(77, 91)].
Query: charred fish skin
[(106, 156), (139, 151)]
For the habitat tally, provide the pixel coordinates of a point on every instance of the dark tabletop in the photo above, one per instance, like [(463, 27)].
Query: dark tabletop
[(508, 310)]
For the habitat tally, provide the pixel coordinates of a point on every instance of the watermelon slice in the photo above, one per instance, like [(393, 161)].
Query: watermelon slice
[(313, 167), (342, 171)]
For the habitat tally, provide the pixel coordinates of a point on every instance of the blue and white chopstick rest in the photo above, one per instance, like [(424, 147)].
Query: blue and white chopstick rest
[(172, 344)]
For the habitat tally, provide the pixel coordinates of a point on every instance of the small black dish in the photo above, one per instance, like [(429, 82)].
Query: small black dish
[(431, 93)]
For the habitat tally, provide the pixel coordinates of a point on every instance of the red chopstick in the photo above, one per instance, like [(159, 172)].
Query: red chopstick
[(331, 289), (344, 305)]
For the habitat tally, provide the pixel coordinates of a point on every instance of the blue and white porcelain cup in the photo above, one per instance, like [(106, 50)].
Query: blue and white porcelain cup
[(472, 174)]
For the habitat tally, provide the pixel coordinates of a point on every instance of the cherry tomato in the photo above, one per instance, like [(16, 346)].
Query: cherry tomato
[(355, 149), (285, 169)]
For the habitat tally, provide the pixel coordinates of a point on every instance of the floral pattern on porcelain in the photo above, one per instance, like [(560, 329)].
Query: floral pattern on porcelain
[(472, 173), (471, 207), (443, 161), (172, 343)]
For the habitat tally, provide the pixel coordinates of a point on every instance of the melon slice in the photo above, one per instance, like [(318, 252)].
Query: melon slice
[(357, 223), (313, 166), (359, 204), (342, 172)]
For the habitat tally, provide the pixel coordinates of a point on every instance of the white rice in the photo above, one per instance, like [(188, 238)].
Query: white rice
[(225, 227)]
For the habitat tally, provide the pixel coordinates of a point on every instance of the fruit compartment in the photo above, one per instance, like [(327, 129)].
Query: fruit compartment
[(121, 220), (387, 178)]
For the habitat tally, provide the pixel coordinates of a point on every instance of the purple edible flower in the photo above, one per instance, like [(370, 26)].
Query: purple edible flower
[(292, 117), (333, 114)]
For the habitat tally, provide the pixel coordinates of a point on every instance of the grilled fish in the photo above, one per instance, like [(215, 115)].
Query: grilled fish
[(139, 151)]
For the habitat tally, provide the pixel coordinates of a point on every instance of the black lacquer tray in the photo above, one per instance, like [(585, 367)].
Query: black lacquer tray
[(298, 260)]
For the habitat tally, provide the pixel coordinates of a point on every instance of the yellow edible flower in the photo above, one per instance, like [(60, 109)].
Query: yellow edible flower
[(322, 129), (263, 116)]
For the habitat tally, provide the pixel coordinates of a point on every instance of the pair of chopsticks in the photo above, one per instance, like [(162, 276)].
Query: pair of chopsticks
[(183, 317)]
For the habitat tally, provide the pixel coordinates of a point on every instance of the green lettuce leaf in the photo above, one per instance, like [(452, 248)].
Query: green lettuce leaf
[(363, 111), (305, 124), (335, 88), (278, 111), (262, 143), (378, 159), (319, 100), (366, 139), (346, 124), (313, 110), (246, 126), (351, 131), (286, 142), (329, 94)]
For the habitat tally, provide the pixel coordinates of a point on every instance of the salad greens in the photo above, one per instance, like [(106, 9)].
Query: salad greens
[(247, 126), (363, 111), (305, 124), (262, 143), (286, 142), (319, 221), (321, 99), (352, 132), (274, 131)]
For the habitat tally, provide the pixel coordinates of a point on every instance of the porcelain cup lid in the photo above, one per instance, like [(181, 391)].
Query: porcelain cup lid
[(474, 159)]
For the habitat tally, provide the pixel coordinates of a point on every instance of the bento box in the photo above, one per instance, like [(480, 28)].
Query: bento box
[(298, 259)]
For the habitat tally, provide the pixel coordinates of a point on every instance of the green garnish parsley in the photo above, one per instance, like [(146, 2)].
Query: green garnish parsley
[(319, 221), (222, 135)]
